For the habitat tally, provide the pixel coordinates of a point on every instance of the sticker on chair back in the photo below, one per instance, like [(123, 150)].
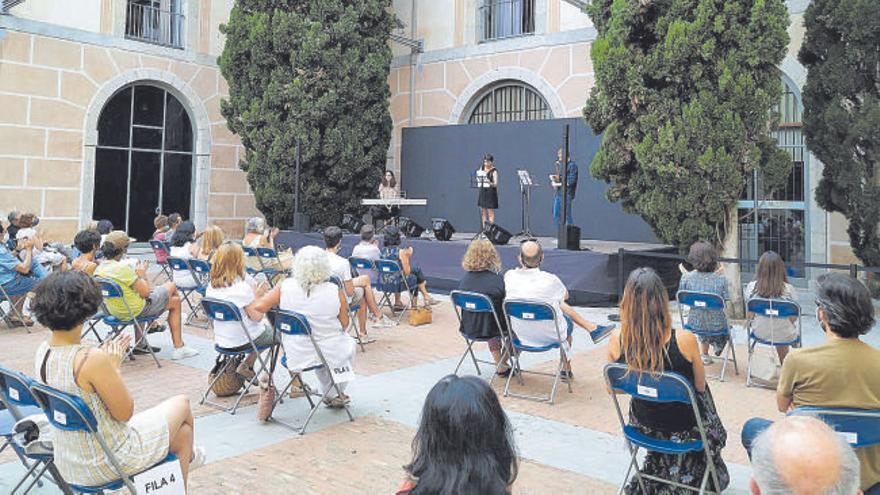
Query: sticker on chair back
[(386, 269), (528, 316), (219, 316), (851, 437), (59, 417), (646, 391), (771, 312), (699, 304), (342, 373), (285, 327), (105, 292), (470, 305), (164, 479), (13, 393)]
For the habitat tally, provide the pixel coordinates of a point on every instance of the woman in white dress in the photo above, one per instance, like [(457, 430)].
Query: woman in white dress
[(183, 246), (310, 293)]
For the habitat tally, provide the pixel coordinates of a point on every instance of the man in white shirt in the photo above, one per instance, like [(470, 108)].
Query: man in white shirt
[(367, 249), (530, 283), (356, 288)]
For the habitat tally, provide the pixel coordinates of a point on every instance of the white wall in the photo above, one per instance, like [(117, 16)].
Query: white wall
[(78, 14)]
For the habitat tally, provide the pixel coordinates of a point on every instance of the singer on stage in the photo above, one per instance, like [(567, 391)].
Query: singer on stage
[(487, 181), (571, 176)]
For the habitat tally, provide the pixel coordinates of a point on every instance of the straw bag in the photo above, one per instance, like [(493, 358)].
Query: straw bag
[(420, 316), (229, 382)]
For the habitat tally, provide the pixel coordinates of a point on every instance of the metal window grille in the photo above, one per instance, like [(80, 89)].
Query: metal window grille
[(152, 22), (510, 103), (499, 19)]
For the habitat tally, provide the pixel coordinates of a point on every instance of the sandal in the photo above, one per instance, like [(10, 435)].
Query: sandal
[(397, 308)]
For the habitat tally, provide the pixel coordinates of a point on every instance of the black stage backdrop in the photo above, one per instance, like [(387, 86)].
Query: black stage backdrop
[(437, 163)]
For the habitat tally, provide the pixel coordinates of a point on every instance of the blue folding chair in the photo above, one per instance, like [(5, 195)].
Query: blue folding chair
[(291, 323), (187, 289), (517, 310), (15, 394), (393, 281), (664, 388), (161, 251), (69, 412), (112, 290), (774, 309), (15, 309), (225, 311), (352, 314), (365, 266), (271, 264), (251, 253), (474, 302), (700, 301), (859, 427)]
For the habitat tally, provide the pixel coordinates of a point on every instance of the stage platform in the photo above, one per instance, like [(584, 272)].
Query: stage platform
[(590, 274)]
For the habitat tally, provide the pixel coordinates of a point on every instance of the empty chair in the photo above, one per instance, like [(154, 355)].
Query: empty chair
[(472, 302)]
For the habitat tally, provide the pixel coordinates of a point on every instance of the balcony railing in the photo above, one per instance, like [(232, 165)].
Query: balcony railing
[(154, 25), (499, 19)]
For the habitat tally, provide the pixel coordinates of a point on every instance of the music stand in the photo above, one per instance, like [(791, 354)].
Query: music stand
[(477, 183), (525, 188)]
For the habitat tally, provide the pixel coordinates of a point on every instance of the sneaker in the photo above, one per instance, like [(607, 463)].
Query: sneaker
[(601, 333), (143, 350), (158, 327), (198, 459), (366, 339), (337, 402), (707, 360), (183, 353), (383, 322)]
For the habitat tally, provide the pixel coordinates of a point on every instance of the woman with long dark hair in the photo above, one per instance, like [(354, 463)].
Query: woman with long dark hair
[(647, 343), (487, 182), (388, 189), (464, 444), (771, 282)]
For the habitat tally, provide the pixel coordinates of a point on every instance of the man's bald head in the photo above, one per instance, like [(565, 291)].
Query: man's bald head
[(530, 254), (801, 455)]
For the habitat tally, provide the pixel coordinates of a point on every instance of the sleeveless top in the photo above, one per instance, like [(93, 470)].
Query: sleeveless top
[(668, 416), (138, 444)]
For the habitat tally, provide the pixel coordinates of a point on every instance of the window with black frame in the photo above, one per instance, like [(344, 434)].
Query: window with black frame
[(509, 101), (501, 19)]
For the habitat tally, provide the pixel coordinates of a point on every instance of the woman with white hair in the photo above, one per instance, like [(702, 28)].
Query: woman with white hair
[(310, 293), (259, 235)]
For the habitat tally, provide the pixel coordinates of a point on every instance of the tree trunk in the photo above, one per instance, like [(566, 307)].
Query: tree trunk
[(732, 271)]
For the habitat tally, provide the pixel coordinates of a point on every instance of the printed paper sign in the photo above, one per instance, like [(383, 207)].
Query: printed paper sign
[(699, 304), (342, 374), (164, 479), (851, 438), (646, 391), (285, 327), (13, 394), (59, 417), (470, 305), (218, 316), (386, 269), (771, 312), (528, 316)]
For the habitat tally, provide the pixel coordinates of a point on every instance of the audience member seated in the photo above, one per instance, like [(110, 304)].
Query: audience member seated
[(87, 243), (842, 372), (530, 283), (464, 444), (393, 251), (183, 246), (368, 249), (162, 228), (771, 282), (13, 218), (310, 293), (104, 227), (801, 455), (63, 302), (357, 289), (258, 235), (482, 267), (647, 343), (143, 300), (212, 238), (19, 277), (48, 258), (706, 277), (230, 283), (174, 220)]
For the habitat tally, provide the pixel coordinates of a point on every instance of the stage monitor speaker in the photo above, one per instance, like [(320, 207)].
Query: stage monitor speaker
[(497, 234), (410, 228), (572, 237), (443, 230)]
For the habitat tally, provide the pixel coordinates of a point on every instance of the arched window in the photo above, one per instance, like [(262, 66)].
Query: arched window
[(509, 101), (144, 159)]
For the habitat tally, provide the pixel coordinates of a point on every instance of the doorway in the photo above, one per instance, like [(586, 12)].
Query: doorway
[(143, 160)]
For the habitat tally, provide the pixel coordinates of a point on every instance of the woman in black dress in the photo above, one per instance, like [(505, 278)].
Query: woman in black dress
[(487, 181)]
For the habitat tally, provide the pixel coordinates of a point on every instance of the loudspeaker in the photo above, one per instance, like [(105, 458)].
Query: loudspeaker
[(572, 237), (352, 223), (410, 228), (497, 234), (443, 230)]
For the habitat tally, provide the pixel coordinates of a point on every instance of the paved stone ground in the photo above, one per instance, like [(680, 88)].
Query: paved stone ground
[(573, 446)]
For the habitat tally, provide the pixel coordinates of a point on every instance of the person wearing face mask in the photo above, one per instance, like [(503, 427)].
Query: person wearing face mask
[(843, 372)]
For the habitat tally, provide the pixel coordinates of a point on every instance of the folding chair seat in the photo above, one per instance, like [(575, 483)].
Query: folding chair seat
[(392, 281), (291, 323), (528, 311), (272, 267), (161, 252), (15, 394), (774, 309), (364, 266), (225, 311), (69, 412), (15, 309), (859, 427), (111, 290), (474, 302), (188, 291), (708, 301), (254, 257), (661, 387)]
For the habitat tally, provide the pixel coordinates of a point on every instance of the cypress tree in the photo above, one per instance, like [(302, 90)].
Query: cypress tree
[(842, 113), (683, 94), (314, 71)]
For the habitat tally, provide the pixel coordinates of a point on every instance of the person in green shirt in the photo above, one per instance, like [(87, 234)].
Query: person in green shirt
[(139, 299)]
